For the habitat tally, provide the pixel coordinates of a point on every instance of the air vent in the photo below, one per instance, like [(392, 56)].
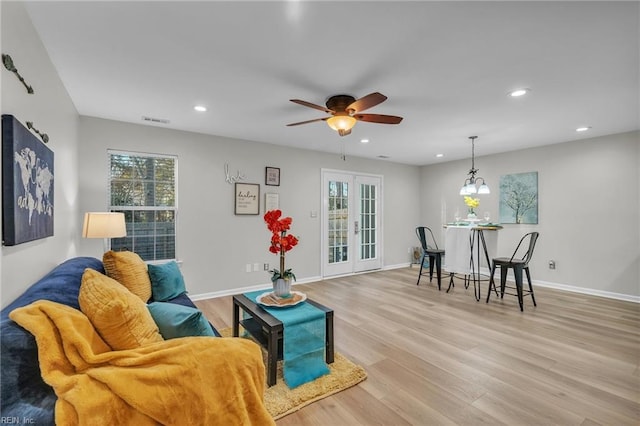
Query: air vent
[(155, 120)]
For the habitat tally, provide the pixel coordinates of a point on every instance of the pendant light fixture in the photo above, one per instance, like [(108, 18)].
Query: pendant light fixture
[(470, 184)]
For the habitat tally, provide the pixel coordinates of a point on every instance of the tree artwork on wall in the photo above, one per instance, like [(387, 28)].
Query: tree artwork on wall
[(519, 198)]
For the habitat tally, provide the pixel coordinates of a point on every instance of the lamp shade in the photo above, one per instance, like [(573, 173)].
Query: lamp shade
[(341, 122), (471, 188), (484, 189), (104, 225)]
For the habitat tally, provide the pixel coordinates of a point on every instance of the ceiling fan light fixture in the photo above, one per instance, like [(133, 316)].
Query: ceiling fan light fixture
[(341, 122), (346, 110)]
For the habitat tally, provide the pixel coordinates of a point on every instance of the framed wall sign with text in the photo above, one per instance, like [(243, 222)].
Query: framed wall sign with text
[(271, 202), (272, 176), (247, 198)]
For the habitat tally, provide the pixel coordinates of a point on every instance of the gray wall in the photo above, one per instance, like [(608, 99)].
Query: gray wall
[(213, 243), (588, 210), (52, 112), (588, 217)]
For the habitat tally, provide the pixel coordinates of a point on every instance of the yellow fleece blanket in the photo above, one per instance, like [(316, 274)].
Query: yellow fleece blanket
[(186, 381)]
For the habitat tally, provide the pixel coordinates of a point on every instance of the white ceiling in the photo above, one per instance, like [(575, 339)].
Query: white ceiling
[(446, 67)]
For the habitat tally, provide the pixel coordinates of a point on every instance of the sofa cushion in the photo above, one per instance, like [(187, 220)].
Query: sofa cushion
[(184, 300), (128, 269), (119, 316), (166, 281), (179, 321)]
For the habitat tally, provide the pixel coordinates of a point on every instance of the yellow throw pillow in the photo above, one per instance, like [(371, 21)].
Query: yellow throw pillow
[(128, 269), (119, 316)]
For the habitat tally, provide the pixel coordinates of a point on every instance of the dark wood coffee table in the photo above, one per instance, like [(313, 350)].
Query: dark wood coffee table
[(269, 331)]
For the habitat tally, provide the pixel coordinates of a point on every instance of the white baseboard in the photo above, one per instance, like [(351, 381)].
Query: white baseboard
[(589, 291), (484, 271), (399, 265), (556, 286), (231, 292)]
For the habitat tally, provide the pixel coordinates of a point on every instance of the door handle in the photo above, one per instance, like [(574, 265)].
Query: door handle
[(355, 227)]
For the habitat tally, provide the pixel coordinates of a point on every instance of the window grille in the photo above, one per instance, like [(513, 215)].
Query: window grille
[(144, 187)]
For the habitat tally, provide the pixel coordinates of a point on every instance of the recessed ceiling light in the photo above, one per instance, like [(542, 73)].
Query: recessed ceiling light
[(583, 129), (439, 155), (519, 92), (364, 140), (200, 108)]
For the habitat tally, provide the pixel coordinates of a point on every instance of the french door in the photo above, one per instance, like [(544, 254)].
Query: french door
[(351, 219)]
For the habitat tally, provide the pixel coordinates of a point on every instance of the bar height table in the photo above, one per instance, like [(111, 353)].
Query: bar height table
[(464, 247)]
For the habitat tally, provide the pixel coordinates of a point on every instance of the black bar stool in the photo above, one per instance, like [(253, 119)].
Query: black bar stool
[(429, 249), (518, 264)]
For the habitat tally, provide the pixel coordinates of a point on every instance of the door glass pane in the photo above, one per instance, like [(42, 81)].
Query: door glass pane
[(338, 226), (368, 222)]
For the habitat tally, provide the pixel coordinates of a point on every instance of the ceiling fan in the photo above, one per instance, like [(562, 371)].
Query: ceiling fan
[(345, 111)]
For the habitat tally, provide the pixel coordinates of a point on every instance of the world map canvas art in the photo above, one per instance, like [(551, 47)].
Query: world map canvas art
[(27, 185)]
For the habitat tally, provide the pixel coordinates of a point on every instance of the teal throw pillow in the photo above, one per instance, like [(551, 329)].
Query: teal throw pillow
[(179, 321), (166, 281)]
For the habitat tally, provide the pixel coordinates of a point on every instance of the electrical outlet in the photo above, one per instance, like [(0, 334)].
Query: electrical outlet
[(256, 267), (552, 264), (247, 267), (265, 267)]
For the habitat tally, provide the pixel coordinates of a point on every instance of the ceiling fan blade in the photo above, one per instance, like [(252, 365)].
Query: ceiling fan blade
[(308, 121), (378, 118), (366, 102), (310, 105)]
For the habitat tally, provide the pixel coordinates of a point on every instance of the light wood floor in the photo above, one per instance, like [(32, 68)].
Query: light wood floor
[(434, 358)]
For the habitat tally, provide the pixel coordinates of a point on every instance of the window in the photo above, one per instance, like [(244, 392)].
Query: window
[(338, 217), (144, 187)]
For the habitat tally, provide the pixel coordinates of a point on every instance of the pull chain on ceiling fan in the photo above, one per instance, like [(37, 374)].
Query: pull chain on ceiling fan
[(345, 112)]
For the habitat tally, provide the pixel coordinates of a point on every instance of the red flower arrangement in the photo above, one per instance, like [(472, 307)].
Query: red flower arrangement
[(281, 242)]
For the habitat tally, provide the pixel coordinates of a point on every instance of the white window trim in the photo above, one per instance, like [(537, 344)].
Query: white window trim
[(111, 152)]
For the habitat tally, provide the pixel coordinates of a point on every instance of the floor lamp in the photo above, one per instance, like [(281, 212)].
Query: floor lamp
[(104, 225)]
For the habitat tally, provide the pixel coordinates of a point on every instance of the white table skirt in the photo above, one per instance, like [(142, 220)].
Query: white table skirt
[(457, 249), (457, 246)]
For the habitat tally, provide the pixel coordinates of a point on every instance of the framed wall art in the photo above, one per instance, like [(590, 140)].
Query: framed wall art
[(247, 198), (519, 198), (27, 185), (271, 202), (272, 176)]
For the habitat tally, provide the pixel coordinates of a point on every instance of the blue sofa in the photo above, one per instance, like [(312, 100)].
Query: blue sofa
[(24, 395)]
